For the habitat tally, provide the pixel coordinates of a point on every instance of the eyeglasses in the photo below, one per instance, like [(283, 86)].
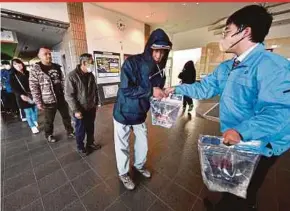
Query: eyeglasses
[(225, 32)]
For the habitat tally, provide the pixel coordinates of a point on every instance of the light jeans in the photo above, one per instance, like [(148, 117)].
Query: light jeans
[(31, 116), (122, 149)]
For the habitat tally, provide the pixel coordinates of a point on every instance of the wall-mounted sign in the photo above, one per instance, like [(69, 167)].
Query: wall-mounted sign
[(107, 64), (7, 36), (108, 93)]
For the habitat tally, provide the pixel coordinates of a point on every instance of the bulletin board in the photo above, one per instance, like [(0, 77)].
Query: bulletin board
[(107, 64)]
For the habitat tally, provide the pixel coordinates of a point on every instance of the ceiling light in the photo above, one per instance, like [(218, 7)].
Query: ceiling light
[(197, 3), (184, 4)]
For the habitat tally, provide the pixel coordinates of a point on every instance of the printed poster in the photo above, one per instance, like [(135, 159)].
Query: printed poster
[(107, 64)]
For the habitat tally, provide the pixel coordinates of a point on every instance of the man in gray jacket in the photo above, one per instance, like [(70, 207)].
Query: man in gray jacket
[(82, 97)]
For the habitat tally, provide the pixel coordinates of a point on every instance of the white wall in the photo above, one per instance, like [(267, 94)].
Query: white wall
[(103, 35), (201, 37), (179, 60), (55, 11), (195, 38)]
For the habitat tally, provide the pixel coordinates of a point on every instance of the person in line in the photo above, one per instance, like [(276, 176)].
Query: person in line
[(255, 95), (188, 76), (7, 96), (82, 96), (20, 87), (142, 76), (47, 88)]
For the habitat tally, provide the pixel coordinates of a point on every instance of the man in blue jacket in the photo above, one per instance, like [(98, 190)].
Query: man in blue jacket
[(142, 76), (254, 91)]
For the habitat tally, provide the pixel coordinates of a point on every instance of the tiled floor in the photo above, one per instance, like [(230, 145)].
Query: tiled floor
[(53, 177)]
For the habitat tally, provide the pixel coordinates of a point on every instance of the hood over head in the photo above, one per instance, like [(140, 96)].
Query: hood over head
[(189, 66), (158, 40)]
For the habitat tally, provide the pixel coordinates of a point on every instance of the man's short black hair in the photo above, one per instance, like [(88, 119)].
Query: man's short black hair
[(254, 16), (43, 47), (5, 62), (85, 57)]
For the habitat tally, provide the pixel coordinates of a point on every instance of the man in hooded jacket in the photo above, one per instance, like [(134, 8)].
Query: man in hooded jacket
[(142, 76)]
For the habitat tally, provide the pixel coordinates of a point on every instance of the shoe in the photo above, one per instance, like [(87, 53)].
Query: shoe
[(184, 109), (190, 108), (71, 135), (144, 172), (83, 152), (127, 182), (94, 146), (34, 130), (23, 119), (51, 139), (36, 124)]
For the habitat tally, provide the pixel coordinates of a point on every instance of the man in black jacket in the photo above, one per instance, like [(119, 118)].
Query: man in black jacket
[(142, 76), (82, 97)]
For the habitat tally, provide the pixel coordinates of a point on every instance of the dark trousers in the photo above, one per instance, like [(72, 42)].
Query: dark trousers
[(9, 101), (187, 100), (259, 177), (233, 202), (85, 126), (22, 113), (49, 115)]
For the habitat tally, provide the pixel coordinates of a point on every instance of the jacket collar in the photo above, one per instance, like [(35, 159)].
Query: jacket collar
[(79, 71), (250, 58), (244, 55)]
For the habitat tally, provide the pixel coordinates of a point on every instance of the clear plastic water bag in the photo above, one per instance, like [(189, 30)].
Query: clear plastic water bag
[(227, 168), (165, 112)]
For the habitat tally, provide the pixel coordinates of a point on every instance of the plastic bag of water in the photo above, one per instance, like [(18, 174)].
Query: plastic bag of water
[(164, 112), (227, 168)]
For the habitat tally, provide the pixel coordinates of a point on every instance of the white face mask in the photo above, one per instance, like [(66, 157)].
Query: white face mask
[(7, 67), (227, 43), (90, 68)]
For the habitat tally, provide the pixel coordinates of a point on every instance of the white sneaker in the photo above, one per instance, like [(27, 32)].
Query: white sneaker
[(144, 172), (34, 130), (36, 124), (127, 181), (23, 119)]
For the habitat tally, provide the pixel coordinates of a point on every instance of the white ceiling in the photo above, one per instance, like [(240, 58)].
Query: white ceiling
[(174, 17)]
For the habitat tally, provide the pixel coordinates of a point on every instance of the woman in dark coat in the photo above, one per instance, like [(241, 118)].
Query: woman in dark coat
[(188, 76), (20, 87)]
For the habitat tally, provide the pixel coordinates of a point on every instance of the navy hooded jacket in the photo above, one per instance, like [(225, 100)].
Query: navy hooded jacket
[(139, 74)]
